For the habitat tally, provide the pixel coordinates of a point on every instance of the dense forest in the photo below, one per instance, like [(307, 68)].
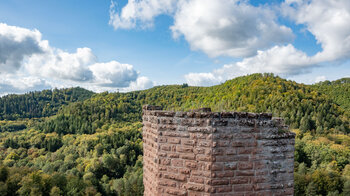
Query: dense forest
[(39, 104), (74, 142), (338, 90)]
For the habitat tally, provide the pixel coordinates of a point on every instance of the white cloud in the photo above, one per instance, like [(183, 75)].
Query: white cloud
[(221, 27), (10, 83), (328, 21), (281, 60), (15, 45), (284, 60), (320, 79), (29, 63), (113, 74), (203, 79), (55, 63), (140, 84), (228, 27), (236, 28), (139, 12)]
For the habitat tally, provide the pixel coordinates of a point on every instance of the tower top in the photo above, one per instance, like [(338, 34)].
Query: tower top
[(216, 153)]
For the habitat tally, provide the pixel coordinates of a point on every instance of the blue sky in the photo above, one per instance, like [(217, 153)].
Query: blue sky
[(131, 49), (72, 24)]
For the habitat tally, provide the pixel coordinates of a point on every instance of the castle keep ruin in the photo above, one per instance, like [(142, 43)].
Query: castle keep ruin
[(205, 153)]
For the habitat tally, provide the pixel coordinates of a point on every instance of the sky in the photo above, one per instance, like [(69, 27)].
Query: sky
[(126, 45)]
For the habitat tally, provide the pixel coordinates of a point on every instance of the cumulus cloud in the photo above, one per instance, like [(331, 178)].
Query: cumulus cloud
[(282, 60), (238, 29), (11, 83), (113, 74), (222, 27), (55, 63), (203, 79), (29, 63), (17, 44), (228, 27), (139, 13), (328, 21), (320, 79), (140, 84)]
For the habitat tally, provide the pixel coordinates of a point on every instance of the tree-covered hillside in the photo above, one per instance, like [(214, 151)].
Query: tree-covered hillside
[(338, 90), (300, 105), (94, 146), (39, 104)]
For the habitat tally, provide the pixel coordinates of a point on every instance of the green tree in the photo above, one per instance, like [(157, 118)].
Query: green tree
[(3, 173), (346, 188), (311, 190), (35, 183), (333, 193), (305, 124)]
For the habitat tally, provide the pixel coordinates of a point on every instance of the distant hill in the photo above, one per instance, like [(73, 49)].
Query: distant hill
[(302, 106), (91, 144), (40, 103), (338, 90)]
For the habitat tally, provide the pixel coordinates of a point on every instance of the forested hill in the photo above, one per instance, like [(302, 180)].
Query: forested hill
[(39, 104), (302, 106), (92, 143), (338, 90)]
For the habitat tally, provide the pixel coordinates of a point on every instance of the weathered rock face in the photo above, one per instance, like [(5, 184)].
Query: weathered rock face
[(204, 153)]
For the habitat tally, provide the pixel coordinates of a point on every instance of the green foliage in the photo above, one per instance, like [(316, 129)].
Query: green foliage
[(3, 174), (85, 144), (73, 164), (132, 182), (39, 104), (55, 191), (184, 85), (85, 117), (11, 126), (346, 189), (327, 164), (338, 90), (335, 193), (300, 105), (311, 190)]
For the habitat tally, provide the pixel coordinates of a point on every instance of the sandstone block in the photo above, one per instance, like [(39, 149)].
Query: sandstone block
[(204, 153)]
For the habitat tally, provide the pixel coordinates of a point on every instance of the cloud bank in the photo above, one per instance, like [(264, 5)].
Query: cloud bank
[(16, 44), (228, 27), (141, 13), (29, 63), (253, 34)]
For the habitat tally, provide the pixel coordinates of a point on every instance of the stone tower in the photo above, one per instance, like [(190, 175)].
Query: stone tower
[(203, 153)]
